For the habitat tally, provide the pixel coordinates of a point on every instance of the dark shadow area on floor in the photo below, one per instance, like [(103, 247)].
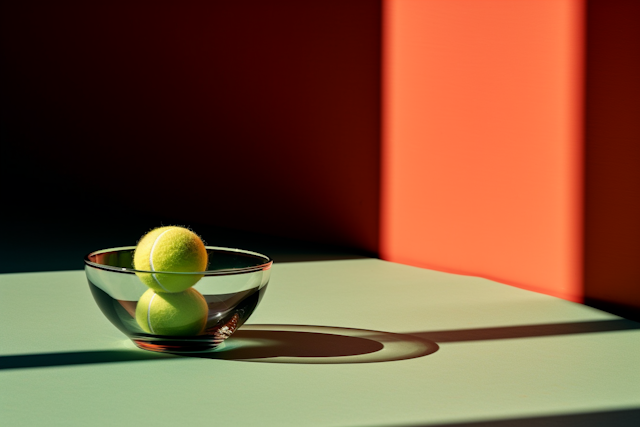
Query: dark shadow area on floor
[(295, 344), (46, 360), (262, 343), (312, 344), (528, 331), (628, 311), (305, 344), (620, 418)]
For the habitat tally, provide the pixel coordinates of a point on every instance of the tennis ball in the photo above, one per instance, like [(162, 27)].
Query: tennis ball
[(174, 249), (176, 314)]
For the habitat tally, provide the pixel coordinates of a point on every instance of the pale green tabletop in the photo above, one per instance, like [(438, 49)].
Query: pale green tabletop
[(378, 344)]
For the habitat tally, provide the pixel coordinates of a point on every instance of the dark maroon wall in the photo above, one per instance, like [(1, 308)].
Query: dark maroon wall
[(255, 115), (612, 167)]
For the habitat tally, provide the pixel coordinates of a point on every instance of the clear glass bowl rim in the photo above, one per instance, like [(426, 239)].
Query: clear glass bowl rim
[(221, 272)]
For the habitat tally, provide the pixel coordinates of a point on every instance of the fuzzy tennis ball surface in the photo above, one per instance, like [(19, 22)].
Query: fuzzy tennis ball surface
[(174, 249), (177, 314)]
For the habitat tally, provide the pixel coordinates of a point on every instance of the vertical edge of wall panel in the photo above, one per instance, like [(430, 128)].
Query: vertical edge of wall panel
[(612, 167), (482, 140)]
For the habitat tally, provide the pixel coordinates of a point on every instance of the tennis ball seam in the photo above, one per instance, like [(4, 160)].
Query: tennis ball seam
[(165, 250), (151, 259)]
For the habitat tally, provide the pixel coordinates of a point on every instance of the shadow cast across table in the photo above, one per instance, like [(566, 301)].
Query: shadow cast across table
[(321, 344), (259, 343), (528, 331), (615, 418), (306, 344), (47, 360)]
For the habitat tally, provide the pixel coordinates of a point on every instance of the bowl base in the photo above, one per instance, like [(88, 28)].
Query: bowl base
[(214, 337), (167, 346)]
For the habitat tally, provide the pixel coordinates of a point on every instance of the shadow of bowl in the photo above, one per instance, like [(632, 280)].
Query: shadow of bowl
[(318, 345)]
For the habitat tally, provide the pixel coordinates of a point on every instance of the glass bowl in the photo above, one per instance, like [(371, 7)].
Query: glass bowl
[(233, 286)]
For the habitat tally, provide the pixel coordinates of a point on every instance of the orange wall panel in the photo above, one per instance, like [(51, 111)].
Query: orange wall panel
[(482, 139)]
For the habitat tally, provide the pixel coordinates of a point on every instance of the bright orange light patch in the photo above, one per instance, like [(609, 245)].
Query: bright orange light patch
[(481, 142)]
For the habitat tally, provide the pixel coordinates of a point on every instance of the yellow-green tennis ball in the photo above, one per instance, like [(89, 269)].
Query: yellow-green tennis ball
[(177, 314), (174, 249)]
